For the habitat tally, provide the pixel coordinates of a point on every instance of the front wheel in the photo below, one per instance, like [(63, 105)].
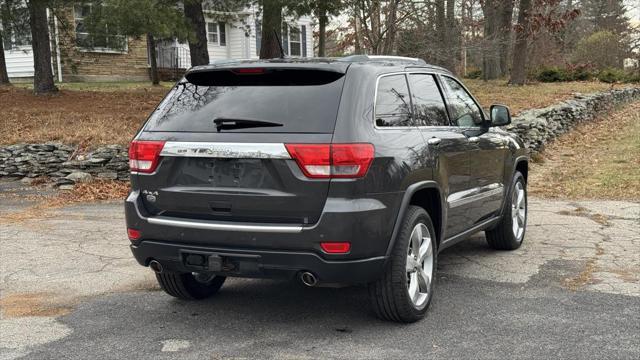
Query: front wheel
[(190, 286), (404, 292), (509, 232)]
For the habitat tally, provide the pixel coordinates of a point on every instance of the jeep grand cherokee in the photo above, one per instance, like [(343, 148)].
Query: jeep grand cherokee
[(357, 170)]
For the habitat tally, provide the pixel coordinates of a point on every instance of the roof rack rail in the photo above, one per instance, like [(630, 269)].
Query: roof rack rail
[(363, 58)]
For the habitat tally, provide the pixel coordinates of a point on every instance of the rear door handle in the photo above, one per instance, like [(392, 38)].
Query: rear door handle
[(434, 141), (474, 139)]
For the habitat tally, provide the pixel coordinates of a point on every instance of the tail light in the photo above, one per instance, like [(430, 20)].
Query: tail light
[(144, 156), (326, 161)]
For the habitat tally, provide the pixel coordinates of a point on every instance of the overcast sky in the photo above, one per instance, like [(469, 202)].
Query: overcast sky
[(634, 9)]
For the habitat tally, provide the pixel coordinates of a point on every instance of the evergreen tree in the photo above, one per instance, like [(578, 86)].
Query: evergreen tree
[(155, 19)]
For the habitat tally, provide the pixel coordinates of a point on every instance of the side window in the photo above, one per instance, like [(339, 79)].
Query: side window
[(464, 110), (428, 105), (393, 106)]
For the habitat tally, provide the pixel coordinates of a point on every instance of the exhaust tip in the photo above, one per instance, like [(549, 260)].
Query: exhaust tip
[(308, 279), (155, 266)]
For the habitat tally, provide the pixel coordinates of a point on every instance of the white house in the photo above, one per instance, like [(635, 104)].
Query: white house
[(230, 36), (237, 36), (17, 52)]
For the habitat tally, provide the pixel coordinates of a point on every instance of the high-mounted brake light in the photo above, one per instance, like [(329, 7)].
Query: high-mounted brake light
[(249, 71), (325, 161), (144, 156)]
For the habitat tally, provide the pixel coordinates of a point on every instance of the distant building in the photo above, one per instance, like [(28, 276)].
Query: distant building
[(77, 55)]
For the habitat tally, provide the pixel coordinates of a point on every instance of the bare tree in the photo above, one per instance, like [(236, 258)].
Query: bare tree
[(376, 24), (451, 37), (518, 70), (496, 14), (506, 19)]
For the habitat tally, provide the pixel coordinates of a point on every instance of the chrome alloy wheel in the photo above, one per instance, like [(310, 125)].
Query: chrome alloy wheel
[(518, 210), (419, 265)]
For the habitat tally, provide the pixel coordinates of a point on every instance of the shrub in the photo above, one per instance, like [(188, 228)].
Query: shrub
[(474, 73), (551, 74), (603, 49), (632, 77), (580, 72), (611, 75)]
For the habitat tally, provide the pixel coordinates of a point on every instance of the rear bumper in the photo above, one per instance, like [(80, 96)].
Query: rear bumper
[(273, 250), (253, 263)]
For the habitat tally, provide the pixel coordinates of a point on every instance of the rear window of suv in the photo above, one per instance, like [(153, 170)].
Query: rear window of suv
[(298, 101)]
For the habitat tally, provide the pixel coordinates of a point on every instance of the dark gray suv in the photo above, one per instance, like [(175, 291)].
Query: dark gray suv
[(357, 170)]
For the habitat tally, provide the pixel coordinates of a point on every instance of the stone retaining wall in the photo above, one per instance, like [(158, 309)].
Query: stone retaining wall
[(66, 165), (63, 163), (537, 127)]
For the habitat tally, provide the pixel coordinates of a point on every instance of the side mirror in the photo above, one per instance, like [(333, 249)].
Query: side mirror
[(500, 115)]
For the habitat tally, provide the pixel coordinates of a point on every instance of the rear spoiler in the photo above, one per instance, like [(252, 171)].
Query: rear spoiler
[(266, 74)]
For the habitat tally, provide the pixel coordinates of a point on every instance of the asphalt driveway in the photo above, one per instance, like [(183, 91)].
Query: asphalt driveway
[(69, 288)]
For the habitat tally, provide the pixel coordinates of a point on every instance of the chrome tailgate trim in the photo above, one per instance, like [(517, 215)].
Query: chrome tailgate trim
[(225, 150)]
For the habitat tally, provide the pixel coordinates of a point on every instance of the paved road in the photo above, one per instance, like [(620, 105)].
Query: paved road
[(70, 289)]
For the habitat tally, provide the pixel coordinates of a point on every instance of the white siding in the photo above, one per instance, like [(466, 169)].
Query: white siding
[(19, 62), (308, 24), (240, 46)]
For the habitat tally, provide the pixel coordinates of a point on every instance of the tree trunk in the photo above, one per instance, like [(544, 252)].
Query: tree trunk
[(506, 18), (43, 74), (271, 29), (519, 68), (322, 33), (491, 49), (375, 35), (391, 29), (441, 32), (357, 29), (151, 42), (198, 46), (4, 77), (451, 43)]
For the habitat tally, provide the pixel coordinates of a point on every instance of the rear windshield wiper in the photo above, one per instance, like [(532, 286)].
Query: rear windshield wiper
[(230, 124)]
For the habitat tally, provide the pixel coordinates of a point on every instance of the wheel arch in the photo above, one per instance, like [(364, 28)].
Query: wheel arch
[(426, 194), (522, 165)]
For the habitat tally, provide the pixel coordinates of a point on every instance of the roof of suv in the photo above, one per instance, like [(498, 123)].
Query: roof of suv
[(328, 64)]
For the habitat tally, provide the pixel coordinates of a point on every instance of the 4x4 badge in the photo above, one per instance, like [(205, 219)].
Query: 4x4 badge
[(151, 196)]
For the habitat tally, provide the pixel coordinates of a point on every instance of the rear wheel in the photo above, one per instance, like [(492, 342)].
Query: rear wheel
[(190, 286), (404, 292), (509, 233)]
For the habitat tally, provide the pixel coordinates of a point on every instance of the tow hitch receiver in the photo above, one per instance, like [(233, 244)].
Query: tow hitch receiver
[(221, 263)]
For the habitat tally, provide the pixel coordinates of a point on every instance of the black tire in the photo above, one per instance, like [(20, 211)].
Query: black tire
[(502, 236), (185, 286), (389, 295)]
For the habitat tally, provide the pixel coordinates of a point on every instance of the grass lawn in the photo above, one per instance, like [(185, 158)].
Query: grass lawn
[(598, 160), (533, 96), (92, 114), (103, 86)]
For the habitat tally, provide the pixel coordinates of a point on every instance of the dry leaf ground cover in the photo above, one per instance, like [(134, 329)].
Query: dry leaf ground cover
[(597, 160), (92, 114), (87, 118)]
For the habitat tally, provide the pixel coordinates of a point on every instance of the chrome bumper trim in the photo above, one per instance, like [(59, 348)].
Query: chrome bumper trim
[(208, 225)]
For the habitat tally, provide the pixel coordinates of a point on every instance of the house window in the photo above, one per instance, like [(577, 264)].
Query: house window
[(14, 24), (102, 41), (217, 33), (294, 40)]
